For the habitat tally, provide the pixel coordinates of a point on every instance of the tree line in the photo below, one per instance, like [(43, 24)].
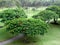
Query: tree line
[(30, 3)]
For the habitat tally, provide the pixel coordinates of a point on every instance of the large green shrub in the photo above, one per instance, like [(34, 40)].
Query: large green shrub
[(55, 9), (27, 26), (46, 15), (10, 14)]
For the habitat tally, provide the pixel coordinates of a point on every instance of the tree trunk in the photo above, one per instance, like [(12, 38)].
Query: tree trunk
[(55, 20)]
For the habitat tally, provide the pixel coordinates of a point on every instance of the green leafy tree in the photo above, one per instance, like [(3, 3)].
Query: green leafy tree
[(46, 15), (55, 9), (10, 14), (28, 27)]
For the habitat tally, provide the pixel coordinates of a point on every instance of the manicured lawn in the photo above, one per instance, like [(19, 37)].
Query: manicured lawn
[(50, 38)]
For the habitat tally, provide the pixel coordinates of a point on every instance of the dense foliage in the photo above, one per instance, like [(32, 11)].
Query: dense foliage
[(55, 9), (46, 15), (10, 14), (27, 26)]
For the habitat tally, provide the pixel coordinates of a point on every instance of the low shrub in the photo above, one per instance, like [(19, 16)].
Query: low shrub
[(29, 27)]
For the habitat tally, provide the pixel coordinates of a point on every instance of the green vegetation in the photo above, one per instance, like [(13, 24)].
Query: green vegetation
[(46, 15), (55, 9), (31, 12), (4, 35), (10, 14), (28, 27), (52, 37), (47, 39), (34, 28)]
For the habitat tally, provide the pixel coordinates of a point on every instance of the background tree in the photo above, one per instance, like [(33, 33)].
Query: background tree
[(46, 15), (30, 3), (55, 9)]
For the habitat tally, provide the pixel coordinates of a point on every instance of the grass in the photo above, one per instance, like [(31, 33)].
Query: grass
[(4, 35), (50, 38), (53, 36), (1, 24)]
